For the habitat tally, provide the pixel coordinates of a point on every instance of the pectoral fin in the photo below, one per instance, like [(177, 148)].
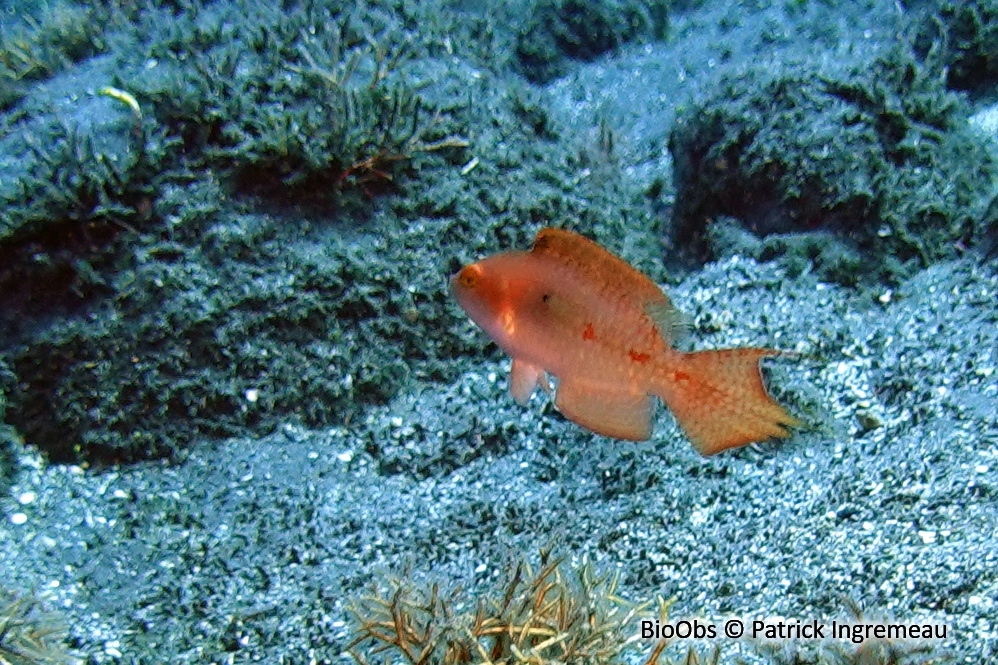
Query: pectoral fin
[(622, 414), (524, 379), (672, 326)]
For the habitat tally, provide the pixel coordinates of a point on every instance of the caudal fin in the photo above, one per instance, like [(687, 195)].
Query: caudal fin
[(719, 399)]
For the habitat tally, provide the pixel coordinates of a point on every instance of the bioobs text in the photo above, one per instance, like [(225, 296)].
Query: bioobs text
[(653, 629)]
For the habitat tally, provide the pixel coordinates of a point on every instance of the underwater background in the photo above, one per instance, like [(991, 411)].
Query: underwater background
[(242, 420)]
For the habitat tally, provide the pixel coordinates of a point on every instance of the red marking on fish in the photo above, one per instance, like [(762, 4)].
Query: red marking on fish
[(639, 357)]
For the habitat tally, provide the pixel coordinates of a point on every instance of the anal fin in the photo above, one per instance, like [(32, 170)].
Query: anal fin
[(621, 414)]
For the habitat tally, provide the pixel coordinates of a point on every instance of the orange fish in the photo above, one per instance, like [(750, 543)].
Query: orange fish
[(571, 309)]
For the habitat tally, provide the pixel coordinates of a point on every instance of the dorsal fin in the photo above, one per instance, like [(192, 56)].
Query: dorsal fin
[(619, 278)]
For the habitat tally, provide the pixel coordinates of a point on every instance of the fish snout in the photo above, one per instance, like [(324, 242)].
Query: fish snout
[(476, 294), (458, 288), (464, 284), (467, 277)]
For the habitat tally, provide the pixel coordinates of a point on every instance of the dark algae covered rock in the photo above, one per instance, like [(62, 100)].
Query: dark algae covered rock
[(127, 216), (876, 159), (559, 31), (962, 37)]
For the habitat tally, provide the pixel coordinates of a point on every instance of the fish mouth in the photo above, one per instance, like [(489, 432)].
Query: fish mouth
[(458, 292), (464, 283), (463, 288), (454, 287)]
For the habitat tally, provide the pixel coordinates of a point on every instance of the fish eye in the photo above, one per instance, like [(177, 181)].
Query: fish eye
[(468, 277)]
